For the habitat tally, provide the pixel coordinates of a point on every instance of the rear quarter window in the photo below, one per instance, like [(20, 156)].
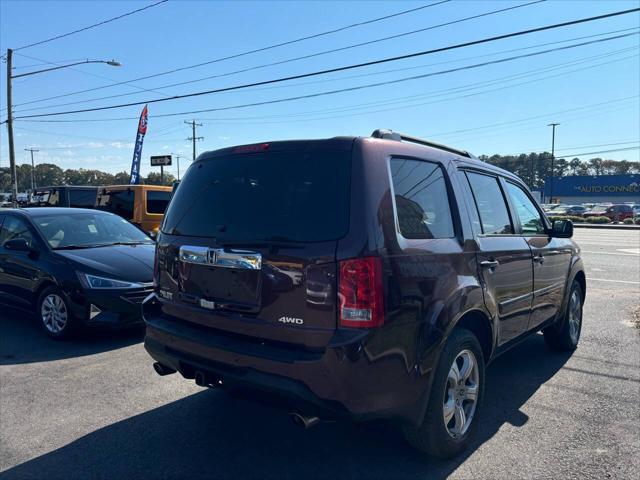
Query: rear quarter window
[(421, 199)]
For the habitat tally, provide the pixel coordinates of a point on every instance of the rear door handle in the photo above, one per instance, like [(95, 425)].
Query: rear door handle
[(538, 259), (490, 264)]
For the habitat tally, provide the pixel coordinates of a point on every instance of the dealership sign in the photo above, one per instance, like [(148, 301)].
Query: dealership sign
[(605, 185)]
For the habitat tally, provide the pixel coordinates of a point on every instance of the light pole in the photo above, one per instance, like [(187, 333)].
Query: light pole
[(33, 169), (178, 161), (553, 156), (12, 155)]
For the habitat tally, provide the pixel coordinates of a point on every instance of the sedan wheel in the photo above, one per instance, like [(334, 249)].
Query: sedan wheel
[(54, 313)]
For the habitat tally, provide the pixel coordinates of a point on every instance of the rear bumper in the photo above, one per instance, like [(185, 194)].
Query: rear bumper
[(339, 381)]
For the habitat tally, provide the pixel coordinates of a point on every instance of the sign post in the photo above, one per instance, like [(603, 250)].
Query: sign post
[(161, 161)]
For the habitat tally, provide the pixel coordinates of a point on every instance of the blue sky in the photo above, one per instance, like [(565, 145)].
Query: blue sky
[(592, 90)]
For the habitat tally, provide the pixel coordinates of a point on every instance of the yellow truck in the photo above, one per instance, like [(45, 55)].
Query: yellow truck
[(142, 205)]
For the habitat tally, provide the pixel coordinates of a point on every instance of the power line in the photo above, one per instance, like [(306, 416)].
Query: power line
[(535, 117), (57, 37), (599, 112), (570, 148), (304, 57), (600, 145), (242, 54), (436, 93), (350, 67), (598, 152), (349, 89), (359, 75)]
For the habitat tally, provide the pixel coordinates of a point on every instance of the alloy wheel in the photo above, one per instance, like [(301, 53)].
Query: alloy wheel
[(575, 316), (461, 393), (54, 313)]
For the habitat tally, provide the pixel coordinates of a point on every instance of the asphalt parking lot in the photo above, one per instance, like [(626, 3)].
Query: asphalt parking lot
[(94, 408)]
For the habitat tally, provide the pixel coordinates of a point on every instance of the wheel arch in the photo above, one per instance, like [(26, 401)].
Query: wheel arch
[(44, 284), (581, 278), (479, 323)]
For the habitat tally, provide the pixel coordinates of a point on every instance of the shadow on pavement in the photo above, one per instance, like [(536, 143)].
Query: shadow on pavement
[(22, 340), (211, 435)]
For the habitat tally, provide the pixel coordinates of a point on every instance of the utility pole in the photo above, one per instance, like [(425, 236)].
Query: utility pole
[(193, 137), (553, 156), (12, 153), (33, 169), (178, 157)]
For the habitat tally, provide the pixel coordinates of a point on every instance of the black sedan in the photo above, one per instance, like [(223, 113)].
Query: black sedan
[(74, 267)]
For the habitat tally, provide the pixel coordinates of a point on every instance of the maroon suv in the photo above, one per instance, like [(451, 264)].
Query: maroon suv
[(358, 278)]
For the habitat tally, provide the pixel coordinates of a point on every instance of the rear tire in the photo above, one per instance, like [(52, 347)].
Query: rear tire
[(54, 314), (455, 400), (564, 336)]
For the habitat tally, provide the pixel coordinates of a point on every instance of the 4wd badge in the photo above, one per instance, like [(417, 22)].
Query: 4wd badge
[(297, 321)]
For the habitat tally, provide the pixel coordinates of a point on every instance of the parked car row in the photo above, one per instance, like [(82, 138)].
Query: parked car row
[(614, 212), (347, 278), (142, 205)]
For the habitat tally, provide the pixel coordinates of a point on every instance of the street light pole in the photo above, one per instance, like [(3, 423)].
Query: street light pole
[(553, 156), (12, 154), (33, 169)]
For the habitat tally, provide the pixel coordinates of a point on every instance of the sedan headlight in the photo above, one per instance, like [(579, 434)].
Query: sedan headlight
[(95, 282)]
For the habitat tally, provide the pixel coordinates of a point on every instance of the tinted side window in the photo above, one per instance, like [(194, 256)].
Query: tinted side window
[(82, 198), (492, 209), (157, 201), (528, 214), (118, 202), (12, 228), (422, 203)]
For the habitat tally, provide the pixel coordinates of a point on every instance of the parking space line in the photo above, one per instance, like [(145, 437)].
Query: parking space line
[(632, 282), (613, 253)]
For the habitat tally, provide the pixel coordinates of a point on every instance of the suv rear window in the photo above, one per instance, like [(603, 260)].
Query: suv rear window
[(292, 195)]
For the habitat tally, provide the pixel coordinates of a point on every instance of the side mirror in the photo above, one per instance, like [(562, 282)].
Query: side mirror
[(17, 245), (562, 229)]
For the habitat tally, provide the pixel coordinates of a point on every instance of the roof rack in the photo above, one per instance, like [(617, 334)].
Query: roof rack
[(399, 137)]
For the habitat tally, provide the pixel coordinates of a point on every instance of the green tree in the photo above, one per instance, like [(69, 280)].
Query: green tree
[(154, 179)]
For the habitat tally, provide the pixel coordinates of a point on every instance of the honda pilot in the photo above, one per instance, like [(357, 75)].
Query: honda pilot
[(358, 278)]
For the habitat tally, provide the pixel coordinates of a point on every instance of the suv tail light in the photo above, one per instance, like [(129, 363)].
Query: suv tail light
[(360, 293)]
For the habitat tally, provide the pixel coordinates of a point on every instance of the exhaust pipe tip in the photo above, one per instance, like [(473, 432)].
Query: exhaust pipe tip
[(162, 370), (303, 421), (201, 379)]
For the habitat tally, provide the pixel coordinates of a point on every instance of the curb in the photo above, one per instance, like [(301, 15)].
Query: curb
[(606, 226)]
